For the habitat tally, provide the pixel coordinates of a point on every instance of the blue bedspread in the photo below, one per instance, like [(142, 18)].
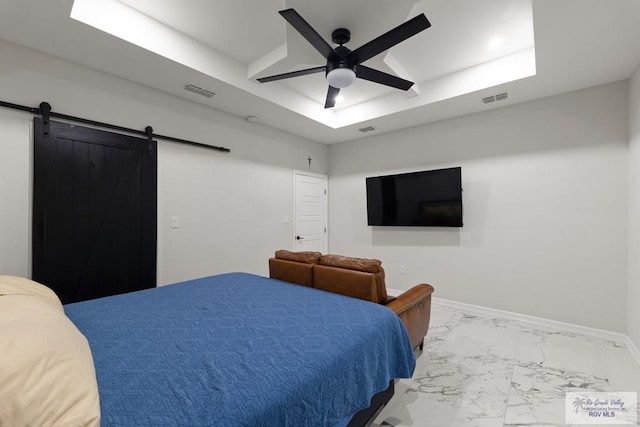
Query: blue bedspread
[(239, 350)]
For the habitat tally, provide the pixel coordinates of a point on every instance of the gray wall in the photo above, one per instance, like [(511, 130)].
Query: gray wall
[(545, 207), (230, 205), (545, 198)]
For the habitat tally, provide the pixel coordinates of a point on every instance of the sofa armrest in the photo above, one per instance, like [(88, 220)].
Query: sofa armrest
[(414, 309)]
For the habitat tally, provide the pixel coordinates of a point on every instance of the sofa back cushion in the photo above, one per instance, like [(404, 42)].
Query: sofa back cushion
[(352, 283), (306, 257), (294, 267), (291, 271), (355, 277)]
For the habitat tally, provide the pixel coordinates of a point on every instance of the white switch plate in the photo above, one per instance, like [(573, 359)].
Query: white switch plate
[(285, 219), (403, 270), (175, 222)]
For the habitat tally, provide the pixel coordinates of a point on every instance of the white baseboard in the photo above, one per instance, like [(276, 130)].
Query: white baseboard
[(546, 323), (635, 353), (532, 320), (538, 321)]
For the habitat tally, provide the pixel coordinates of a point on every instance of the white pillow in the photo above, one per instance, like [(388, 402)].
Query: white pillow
[(12, 285), (47, 374)]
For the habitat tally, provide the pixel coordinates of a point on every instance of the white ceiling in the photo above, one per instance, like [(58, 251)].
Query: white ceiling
[(548, 47)]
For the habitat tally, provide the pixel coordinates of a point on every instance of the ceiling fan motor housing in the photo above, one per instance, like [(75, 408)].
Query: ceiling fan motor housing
[(340, 59), (341, 36)]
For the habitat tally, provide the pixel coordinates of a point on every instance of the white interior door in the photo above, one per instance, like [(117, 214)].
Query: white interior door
[(310, 212)]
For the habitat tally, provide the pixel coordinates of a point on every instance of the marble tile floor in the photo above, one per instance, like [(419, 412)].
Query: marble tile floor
[(483, 371)]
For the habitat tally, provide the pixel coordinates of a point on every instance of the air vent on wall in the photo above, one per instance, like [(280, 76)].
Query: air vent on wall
[(367, 129), (200, 91), (493, 98), (206, 93)]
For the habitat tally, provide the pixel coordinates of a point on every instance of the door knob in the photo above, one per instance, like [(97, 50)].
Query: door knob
[(299, 238)]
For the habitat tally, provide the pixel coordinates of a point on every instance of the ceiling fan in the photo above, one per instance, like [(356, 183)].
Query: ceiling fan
[(343, 64)]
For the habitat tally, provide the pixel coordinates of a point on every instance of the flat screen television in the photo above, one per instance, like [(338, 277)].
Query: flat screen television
[(417, 199)]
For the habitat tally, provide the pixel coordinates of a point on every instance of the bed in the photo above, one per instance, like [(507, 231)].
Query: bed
[(239, 350)]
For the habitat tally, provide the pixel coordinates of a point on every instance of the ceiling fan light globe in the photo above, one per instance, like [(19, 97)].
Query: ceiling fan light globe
[(341, 77)]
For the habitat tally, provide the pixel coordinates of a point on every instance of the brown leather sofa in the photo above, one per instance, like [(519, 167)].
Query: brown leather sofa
[(359, 278)]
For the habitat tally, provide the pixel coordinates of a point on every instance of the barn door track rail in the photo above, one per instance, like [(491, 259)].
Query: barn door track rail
[(44, 110)]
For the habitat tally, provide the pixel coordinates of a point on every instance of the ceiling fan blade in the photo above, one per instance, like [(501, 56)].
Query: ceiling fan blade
[(292, 74), (307, 31), (332, 94), (376, 76), (390, 38)]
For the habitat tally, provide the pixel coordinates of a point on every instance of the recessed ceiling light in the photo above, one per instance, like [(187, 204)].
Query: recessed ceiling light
[(495, 43)]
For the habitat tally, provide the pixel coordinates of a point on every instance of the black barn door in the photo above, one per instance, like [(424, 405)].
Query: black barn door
[(94, 212)]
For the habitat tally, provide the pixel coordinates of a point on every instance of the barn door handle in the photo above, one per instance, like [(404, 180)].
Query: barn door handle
[(299, 238)]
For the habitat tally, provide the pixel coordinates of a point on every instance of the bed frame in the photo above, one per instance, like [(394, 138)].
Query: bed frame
[(365, 417)]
